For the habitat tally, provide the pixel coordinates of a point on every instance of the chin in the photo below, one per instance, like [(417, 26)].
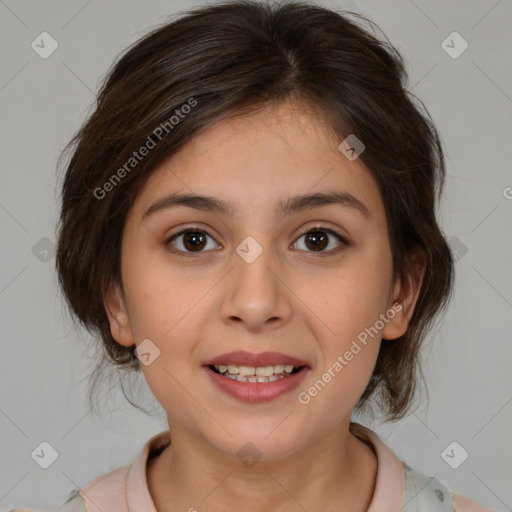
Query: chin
[(251, 442)]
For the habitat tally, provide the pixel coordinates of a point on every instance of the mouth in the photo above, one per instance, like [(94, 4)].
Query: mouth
[(256, 384), (255, 374)]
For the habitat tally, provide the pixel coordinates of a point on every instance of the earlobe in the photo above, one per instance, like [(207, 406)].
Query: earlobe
[(118, 317), (404, 298)]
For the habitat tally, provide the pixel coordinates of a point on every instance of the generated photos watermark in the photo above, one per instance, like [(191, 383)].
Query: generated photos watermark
[(304, 397), (159, 133)]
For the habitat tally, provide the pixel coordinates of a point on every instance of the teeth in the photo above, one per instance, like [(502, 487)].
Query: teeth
[(232, 368), (253, 378), (265, 371), (279, 368), (246, 370), (251, 371)]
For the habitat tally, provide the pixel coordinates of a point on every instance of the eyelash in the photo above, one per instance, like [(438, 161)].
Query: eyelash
[(179, 252)]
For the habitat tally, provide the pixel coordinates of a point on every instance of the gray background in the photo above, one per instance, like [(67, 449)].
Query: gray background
[(45, 362)]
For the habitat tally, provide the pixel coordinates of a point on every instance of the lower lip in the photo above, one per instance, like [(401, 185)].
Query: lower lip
[(257, 391)]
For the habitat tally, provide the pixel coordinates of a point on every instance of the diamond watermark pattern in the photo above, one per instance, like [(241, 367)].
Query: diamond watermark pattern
[(44, 455), (44, 45), (249, 454), (459, 249), (249, 249), (146, 352), (352, 147), (454, 45), (454, 455), (44, 250)]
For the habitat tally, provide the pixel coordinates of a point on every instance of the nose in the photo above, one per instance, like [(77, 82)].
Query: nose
[(256, 296)]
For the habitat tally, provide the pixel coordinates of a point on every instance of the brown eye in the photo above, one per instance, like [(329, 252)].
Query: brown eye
[(194, 240), (317, 239), (189, 241)]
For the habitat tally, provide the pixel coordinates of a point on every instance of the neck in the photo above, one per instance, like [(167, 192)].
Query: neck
[(337, 472)]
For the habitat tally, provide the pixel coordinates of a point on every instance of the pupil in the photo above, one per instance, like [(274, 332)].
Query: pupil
[(319, 240), (194, 240)]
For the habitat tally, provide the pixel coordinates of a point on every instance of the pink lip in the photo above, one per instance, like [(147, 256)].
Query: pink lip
[(244, 358), (257, 391)]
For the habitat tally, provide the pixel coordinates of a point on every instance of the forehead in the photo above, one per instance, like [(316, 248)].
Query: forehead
[(259, 159)]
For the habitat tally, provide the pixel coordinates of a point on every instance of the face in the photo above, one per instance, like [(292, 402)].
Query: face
[(304, 281)]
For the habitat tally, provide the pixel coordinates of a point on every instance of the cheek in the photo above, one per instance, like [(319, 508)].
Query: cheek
[(170, 315), (347, 307), (349, 298), (336, 388), (167, 305), (161, 295)]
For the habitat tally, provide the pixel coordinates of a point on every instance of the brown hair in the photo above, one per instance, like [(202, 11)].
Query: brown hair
[(237, 57)]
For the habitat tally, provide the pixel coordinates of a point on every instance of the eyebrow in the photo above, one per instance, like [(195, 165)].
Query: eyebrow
[(291, 205)]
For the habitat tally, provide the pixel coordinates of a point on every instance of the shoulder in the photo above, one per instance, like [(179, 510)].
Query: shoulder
[(112, 487), (75, 503), (423, 492)]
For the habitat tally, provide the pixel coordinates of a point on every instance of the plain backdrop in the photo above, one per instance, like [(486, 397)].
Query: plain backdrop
[(45, 361)]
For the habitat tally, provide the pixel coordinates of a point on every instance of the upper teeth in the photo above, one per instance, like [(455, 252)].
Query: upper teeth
[(260, 371)]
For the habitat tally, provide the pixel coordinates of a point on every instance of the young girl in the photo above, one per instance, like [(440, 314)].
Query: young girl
[(248, 218)]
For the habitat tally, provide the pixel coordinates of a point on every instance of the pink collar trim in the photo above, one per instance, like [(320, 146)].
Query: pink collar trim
[(126, 488), (388, 495)]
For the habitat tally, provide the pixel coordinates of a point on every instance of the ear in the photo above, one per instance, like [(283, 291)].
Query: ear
[(404, 297), (118, 318)]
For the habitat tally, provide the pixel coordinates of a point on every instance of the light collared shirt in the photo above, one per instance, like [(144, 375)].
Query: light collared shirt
[(397, 487)]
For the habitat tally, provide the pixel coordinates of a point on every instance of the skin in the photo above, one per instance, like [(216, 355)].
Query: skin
[(291, 299)]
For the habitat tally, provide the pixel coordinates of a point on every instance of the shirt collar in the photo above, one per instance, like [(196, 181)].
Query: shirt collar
[(129, 483), (388, 495)]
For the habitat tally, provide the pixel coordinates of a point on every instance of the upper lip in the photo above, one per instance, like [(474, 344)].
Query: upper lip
[(244, 358)]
